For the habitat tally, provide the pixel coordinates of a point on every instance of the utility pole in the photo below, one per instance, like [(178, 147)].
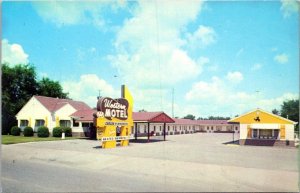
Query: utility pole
[(99, 94), (173, 102)]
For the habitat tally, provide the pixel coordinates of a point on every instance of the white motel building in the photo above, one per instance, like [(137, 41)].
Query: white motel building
[(257, 127)]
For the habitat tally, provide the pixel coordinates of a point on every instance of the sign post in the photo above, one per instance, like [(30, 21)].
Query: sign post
[(113, 114)]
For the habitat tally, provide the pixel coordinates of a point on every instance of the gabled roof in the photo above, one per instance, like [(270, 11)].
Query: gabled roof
[(264, 117), (185, 121), (53, 104), (211, 122), (84, 115), (154, 117)]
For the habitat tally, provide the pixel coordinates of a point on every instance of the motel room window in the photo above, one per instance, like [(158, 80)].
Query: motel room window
[(39, 122), (24, 123), (65, 123)]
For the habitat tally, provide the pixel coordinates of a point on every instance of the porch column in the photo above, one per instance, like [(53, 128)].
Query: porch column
[(135, 128), (164, 131), (148, 131)]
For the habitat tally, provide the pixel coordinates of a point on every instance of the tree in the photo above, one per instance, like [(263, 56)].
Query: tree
[(19, 84), (50, 88), (143, 110), (275, 112), (190, 116), (290, 110)]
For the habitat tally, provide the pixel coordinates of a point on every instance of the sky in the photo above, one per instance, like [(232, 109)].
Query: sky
[(220, 58)]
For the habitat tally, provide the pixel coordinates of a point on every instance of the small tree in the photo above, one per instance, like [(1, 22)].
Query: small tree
[(275, 112), (28, 132), (57, 131), (190, 116), (15, 131), (43, 131)]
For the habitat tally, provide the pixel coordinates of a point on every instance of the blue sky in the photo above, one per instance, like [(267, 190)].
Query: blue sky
[(216, 55)]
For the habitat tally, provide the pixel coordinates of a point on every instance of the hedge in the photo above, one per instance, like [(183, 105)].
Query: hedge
[(67, 131), (43, 131), (28, 132), (15, 130), (56, 132)]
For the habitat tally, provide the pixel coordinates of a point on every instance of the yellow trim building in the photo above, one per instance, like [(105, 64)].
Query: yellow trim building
[(259, 127)]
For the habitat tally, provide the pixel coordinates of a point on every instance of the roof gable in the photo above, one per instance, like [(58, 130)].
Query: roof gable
[(155, 117), (53, 104), (260, 116)]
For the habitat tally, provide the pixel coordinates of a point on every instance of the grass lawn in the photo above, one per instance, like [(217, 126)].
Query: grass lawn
[(10, 139)]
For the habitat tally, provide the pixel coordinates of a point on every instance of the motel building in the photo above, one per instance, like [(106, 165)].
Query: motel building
[(259, 127)]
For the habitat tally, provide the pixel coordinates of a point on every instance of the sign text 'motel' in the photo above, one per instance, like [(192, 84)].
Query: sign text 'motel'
[(112, 108)]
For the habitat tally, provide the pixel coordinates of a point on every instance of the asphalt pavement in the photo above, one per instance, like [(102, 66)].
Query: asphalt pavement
[(192, 162)]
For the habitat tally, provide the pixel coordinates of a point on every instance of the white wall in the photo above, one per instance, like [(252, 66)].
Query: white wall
[(243, 131), (33, 110), (289, 131)]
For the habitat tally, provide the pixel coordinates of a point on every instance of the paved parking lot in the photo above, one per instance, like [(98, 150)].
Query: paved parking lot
[(191, 162)]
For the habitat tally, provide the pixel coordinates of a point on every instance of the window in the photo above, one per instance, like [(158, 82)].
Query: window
[(39, 122), (23, 123), (236, 128), (254, 133), (65, 123), (85, 124), (207, 127), (75, 124), (212, 128)]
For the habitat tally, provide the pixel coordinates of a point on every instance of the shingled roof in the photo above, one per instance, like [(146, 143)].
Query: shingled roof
[(157, 117), (54, 104)]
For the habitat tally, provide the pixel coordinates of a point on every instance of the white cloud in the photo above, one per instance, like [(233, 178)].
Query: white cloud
[(256, 67), (218, 97), (75, 12), (235, 77), (13, 53), (281, 58), (87, 89), (288, 7), (148, 45), (202, 37)]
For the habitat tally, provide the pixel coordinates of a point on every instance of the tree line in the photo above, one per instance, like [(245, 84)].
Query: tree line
[(289, 109), (19, 84)]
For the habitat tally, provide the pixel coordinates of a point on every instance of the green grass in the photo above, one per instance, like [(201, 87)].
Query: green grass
[(9, 139)]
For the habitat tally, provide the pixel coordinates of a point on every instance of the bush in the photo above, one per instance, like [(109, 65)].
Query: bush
[(28, 132), (15, 130), (67, 131), (56, 132), (43, 131)]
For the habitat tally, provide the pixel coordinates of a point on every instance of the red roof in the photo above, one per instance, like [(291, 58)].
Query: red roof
[(185, 122), (211, 122), (84, 115), (158, 117), (53, 104)]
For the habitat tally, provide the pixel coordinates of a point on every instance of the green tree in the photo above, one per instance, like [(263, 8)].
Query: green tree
[(18, 85), (275, 112), (50, 88), (190, 116), (290, 110)]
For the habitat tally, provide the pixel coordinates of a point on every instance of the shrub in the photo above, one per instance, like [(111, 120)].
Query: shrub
[(28, 132), (43, 131), (15, 130), (67, 131), (57, 132)]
